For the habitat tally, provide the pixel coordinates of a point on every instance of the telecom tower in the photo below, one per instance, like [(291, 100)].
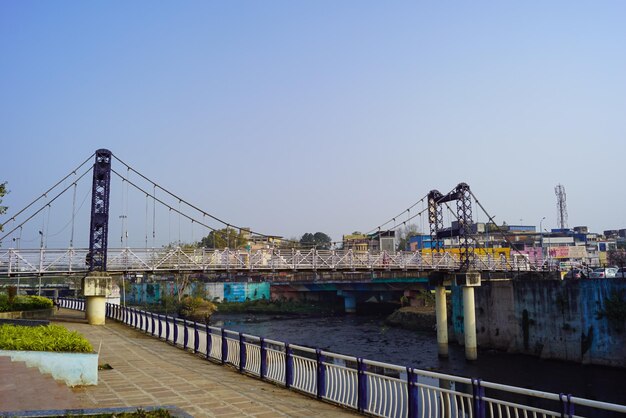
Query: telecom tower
[(561, 206)]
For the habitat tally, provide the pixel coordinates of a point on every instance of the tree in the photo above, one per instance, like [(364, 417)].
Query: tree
[(617, 257), (319, 240), (3, 191), (224, 238), (404, 234)]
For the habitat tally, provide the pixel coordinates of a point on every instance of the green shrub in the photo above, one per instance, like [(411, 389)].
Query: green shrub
[(24, 303), (196, 309), (4, 303), (45, 338)]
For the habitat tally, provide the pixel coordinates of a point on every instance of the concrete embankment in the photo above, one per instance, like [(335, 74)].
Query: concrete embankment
[(577, 320)]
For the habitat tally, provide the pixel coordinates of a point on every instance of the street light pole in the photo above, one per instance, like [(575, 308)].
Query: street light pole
[(541, 237)]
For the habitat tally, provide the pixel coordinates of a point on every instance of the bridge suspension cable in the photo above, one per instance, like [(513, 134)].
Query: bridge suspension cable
[(171, 208), (47, 205), (192, 206), (45, 194), (490, 219), (393, 219)]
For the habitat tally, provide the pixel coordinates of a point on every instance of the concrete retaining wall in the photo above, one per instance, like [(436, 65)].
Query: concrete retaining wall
[(34, 314), (229, 291), (72, 368), (555, 319)]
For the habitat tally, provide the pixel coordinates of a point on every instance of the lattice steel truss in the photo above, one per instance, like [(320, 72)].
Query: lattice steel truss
[(463, 197), (97, 256), (435, 218), (464, 215)]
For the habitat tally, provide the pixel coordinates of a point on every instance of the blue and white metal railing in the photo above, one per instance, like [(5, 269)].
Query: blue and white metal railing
[(370, 387)]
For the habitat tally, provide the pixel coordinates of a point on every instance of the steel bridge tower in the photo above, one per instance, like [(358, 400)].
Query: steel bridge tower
[(462, 195), (99, 230)]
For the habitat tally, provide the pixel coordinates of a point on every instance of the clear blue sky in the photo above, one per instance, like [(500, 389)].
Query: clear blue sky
[(333, 116)]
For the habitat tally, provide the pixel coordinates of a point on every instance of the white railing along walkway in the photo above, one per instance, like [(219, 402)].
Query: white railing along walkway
[(370, 387), (47, 261)]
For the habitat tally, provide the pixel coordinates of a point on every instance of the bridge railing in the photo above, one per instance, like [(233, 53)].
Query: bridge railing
[(51, 261), (367, 386)]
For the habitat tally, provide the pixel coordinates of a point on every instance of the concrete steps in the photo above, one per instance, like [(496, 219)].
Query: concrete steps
[(25, 388)]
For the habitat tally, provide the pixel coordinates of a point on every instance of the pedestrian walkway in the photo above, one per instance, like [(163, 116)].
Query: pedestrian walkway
[(148, 372), (21, 388)]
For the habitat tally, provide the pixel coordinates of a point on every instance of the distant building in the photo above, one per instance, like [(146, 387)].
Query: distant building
[(520, 228), (421, 242), (383, 241), (581, 230), (356, 242), (261, 242), (378, 241)]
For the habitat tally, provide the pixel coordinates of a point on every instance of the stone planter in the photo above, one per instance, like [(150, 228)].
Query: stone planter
[(36, 314), (72, 368)]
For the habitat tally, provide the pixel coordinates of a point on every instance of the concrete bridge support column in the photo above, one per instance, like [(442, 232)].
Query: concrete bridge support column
[(349, 302), (96, 287), (468, 281), (469, 323), (439, 280), (442, 320)]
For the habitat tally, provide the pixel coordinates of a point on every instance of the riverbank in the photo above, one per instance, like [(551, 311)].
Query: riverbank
[(281, 307), (413, 318)]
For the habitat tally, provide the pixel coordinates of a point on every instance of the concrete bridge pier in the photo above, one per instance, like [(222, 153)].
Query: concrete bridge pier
[(442, 320), (468, 281), (349, 300), (96, 287), (439, 280)]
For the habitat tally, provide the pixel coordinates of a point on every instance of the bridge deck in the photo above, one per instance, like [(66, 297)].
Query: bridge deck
[(74, 260)]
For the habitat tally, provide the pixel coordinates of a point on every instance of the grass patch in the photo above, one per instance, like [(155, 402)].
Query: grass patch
[(23, 303), (46, 338)]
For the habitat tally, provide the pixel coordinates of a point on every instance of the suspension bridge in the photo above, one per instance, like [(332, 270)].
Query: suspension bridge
[(288, 256)]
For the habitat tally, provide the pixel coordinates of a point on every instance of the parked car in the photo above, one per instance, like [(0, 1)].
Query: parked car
[(621, 273), (603, 273), (577, 274)]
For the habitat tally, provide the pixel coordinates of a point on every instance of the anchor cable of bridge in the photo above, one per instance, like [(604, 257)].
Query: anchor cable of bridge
[(181, 200), (46, 205), (45, 194)]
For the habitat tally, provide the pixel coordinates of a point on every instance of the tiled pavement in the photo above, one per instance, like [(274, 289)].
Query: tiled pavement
[(149, 372)]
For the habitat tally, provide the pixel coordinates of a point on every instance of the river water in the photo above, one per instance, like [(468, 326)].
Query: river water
[(370, 338)]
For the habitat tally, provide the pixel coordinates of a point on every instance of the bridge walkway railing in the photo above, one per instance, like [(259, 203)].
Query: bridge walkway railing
[(370, 387), (74, 260)]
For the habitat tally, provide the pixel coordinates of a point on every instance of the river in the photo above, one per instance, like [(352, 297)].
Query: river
[(370, 338)]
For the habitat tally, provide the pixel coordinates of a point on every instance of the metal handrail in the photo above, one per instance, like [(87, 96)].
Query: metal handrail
[(73, 260)]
